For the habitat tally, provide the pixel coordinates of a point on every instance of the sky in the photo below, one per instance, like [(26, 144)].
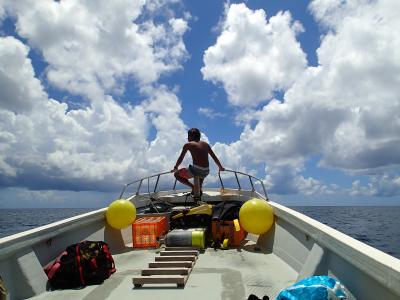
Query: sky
[(304, 95)]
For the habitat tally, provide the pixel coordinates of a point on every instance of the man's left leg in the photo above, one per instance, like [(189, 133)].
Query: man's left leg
[(201, 185), (198, 188)]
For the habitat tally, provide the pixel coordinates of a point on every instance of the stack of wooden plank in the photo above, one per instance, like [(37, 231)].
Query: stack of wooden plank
[(173, 266)]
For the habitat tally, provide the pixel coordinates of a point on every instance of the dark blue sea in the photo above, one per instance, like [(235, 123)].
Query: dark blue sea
[(375, 226), (17, 220)]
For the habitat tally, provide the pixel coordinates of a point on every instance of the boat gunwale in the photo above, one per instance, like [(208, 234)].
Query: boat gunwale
[(360, 255), (364, 257), (13, 243)]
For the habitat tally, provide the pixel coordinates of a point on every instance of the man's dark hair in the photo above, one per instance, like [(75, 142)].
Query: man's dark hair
[(194, 133)]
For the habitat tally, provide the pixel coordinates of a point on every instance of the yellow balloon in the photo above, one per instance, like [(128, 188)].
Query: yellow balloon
[(256, 216), (120, 214)]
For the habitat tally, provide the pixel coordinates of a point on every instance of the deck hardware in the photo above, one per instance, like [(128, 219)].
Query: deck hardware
[(155, 187), (140, 185), (265, 196), (220, 179), (237, 180), (123, 191), (251, 178), (252, 185)]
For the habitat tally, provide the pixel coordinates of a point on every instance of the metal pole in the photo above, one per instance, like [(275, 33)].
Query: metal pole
[(237, 180), (219, 175), (140, 185), (252, 186), (265, 192), (155, 188), (123, 191)]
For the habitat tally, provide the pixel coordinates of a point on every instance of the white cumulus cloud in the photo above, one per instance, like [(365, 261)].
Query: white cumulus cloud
[(90, 50), (383, 185), (346, 110), (19, 88), (210, 113), (254, 56), (92, 148)]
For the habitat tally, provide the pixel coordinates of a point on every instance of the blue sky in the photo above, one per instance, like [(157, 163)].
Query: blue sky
[(302, 94)]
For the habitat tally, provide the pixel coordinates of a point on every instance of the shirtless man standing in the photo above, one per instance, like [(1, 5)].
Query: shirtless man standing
[(199, 151)]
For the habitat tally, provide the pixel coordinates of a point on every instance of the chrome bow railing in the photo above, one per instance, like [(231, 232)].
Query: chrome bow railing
[(140, 181), (251, 178)]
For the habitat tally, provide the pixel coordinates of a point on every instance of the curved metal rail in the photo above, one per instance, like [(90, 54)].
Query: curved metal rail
[(250, 177), (148, 182)]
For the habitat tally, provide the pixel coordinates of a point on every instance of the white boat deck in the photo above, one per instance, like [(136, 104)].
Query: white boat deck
[(217, 274), (295, 248)]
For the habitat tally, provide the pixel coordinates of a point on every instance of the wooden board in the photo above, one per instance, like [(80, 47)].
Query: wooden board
[(180, 280), (166, 271), (180, 248), (171, 264), (176, 258), (179, 253)]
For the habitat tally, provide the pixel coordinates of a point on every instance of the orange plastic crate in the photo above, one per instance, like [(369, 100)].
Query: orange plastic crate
[(147, 230), (226, 230)]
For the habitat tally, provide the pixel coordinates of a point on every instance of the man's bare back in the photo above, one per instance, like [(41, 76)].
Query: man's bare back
[(199, 151)]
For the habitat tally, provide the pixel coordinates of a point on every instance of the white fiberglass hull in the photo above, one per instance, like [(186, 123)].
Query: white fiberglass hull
[(295, 248)]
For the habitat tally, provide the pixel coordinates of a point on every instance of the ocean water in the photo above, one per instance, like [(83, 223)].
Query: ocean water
[(17, 220), (378, 227)]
